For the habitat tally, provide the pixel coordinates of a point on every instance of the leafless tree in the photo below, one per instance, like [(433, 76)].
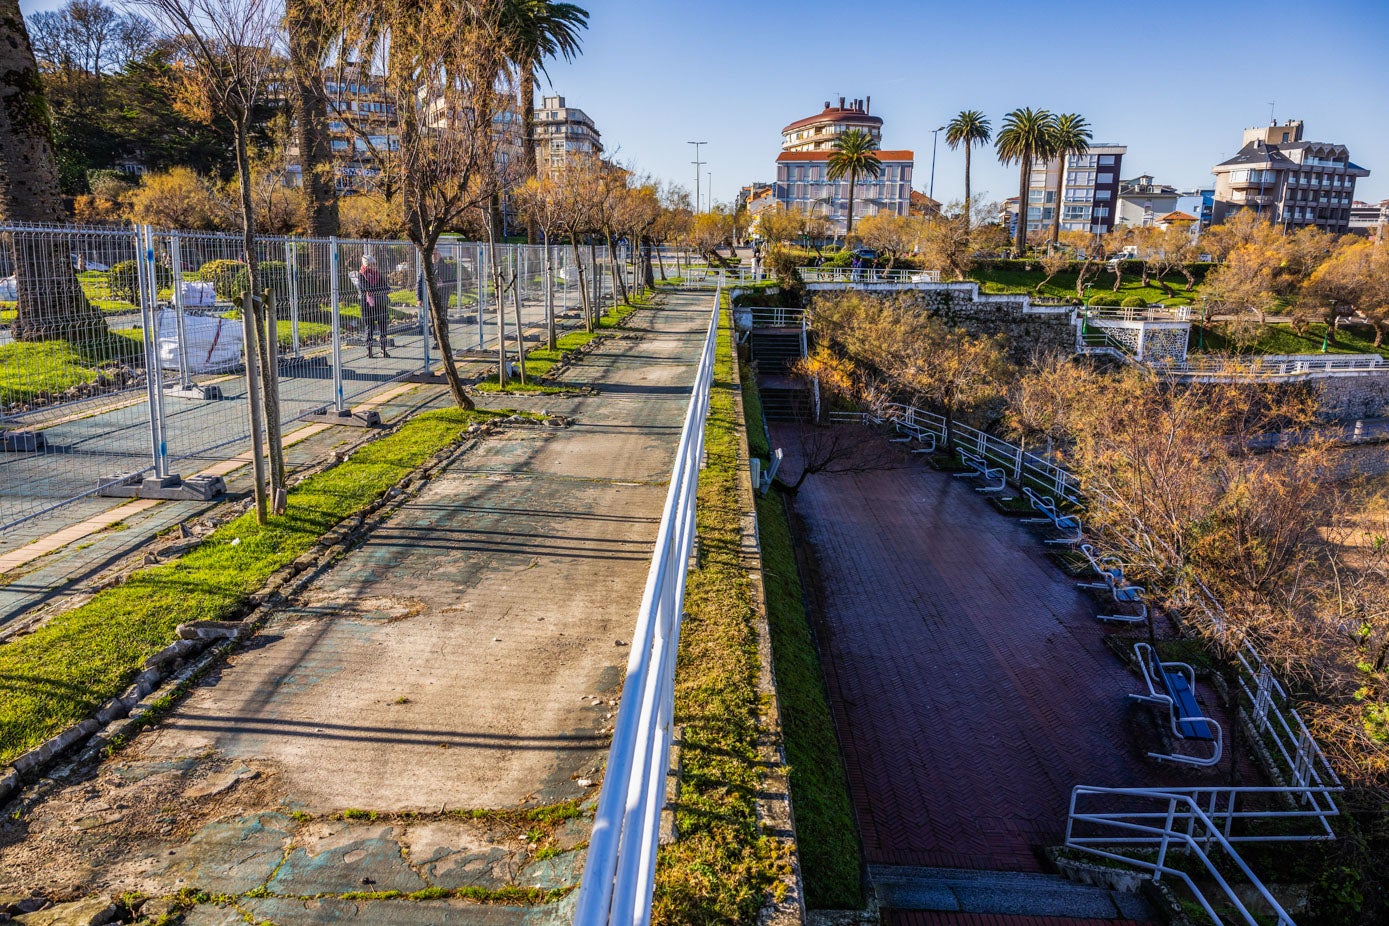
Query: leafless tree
[(226, 51)]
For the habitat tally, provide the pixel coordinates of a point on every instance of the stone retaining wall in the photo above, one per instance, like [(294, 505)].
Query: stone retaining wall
[(1347, 398)]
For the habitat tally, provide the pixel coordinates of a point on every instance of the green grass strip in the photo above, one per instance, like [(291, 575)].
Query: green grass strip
[(722, 867), (64, 671)]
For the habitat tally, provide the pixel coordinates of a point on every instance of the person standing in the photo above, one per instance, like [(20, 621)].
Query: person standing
[(375, 296)]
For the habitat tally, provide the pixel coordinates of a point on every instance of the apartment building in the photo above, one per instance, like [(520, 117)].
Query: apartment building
[(1288, 180), (802, 180), (563, 132), (1089, 194), (1369, 218), (1143, 202)]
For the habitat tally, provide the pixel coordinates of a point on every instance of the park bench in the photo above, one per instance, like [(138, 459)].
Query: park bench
[(915, 433), (1067, 524), (1177, 682), (1111, 574), (979, 468)]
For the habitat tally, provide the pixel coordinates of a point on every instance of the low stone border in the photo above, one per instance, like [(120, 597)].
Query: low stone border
[(169, 673)]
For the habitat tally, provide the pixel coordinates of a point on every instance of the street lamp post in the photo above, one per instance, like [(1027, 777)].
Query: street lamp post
[(697, 165), (931, 191), (1325, 336)]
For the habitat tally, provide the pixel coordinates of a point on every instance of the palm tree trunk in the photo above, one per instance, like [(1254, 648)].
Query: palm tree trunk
[(969, 202), (305, 28), (1056, 212), (529, 167), (849, 223), (51, 301), (1024, 181)]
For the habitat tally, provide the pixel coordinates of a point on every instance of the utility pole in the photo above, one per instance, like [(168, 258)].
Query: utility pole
[(931, 192), (697, 165)]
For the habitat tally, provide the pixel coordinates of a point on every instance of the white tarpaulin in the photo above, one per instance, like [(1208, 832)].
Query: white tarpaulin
[(9, 291), (212, 345), (198, 294)]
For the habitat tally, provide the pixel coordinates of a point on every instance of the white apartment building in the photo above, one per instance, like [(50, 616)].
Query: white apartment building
[(563, 132)]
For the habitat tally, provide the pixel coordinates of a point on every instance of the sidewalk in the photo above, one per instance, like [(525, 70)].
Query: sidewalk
[(463, 659)]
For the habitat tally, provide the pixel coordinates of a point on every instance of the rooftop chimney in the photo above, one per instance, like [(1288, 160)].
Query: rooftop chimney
[(841, 102), (827, 104), (868, 105)]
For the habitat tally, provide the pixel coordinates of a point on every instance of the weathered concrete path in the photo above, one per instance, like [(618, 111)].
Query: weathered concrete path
[(467, 657)]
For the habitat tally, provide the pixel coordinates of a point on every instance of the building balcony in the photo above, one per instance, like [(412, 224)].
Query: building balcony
[(1253, 182), (1253, 199)]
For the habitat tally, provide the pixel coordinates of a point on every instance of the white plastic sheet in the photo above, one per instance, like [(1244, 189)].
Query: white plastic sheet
[(196, 294), (211, 345), (9, 289)]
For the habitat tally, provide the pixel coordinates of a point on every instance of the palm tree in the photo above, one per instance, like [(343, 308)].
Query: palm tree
[(968, 128), (853, 157), (1026, 137), (537, 30), (308, 41), (1070, 134)]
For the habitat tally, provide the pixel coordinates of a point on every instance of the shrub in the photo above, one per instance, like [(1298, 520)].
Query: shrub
[(222, 275), (123, 280), (1133, 302), (274, 276), (1109, 299)]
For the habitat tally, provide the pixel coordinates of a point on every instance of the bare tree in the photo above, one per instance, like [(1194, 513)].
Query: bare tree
[(225, 54)]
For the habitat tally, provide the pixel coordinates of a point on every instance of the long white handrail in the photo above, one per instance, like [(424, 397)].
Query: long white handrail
[(619, 875)]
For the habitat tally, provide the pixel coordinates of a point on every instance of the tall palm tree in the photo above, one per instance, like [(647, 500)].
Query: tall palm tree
[(308, 48), (968, 128), (853, 157), (1026, 137), (537, 30), (51, 302), (1070, 134)]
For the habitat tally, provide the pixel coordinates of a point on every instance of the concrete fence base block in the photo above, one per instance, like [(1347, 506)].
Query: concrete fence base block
[(210, 630)]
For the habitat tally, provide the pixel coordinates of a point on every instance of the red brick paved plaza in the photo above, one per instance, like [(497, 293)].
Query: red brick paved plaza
[(968, 677)]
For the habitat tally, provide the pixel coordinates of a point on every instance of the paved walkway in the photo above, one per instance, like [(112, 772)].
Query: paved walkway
[(970, 683), (467, 656)]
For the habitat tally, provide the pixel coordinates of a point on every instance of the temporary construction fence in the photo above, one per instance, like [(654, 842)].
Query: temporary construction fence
[(121, 348)]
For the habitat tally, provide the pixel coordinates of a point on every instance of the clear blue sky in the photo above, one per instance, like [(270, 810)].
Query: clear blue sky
[(1175, 80)]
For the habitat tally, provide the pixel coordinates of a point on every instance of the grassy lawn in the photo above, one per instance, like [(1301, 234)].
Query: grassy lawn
[(63, 672), (30, 369), (1282, 339), (722, 867), (1063, 285), (826, 836)]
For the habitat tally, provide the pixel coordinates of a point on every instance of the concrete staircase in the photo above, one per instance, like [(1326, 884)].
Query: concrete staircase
[(775, 350), (786, 402), (1001, 893)]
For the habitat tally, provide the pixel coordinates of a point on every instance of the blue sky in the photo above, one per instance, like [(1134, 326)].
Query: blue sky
[(1175, 80)]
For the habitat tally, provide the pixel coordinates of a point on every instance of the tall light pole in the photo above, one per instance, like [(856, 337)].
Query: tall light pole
[(709, 186), (931, 192), (697, 165)]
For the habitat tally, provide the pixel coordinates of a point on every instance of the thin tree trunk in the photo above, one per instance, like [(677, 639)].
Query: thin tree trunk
[(619, 278), (549, 293), (499, 296), (661, 262), (583, 284), (268, 374), (520, 331), (597, 281), (528, 160), (439, 321)]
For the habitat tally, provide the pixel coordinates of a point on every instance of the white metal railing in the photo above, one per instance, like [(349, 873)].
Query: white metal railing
[(866, 275), (775, 316), (619, 874), (1147, 313), (1178, 824), (705, 277), (1274, 365)]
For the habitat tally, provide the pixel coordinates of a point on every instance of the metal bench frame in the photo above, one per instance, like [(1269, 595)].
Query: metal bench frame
[(1067, 524), (980, 468), (1178, 695), (1111, 572)]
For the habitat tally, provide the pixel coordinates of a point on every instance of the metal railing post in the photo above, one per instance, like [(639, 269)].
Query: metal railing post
[(176, 265), (426, 293), (154, 386), (335, 297), (292, 269), (481, 294)]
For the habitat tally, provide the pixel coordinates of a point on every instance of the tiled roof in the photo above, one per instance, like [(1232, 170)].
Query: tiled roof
[(824, 155), (833, 114)]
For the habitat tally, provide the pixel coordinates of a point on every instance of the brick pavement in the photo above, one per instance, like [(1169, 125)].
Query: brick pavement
[(970, 683)]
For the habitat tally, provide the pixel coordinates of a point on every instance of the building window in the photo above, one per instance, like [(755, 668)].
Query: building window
[(1101, 212), (1106, 160), (1104, 194), (1034, 196), (1104, 178)]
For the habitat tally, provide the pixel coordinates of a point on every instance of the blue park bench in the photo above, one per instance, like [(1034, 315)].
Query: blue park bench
[(1067, 524), (1111, 574), (1177, 682)]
